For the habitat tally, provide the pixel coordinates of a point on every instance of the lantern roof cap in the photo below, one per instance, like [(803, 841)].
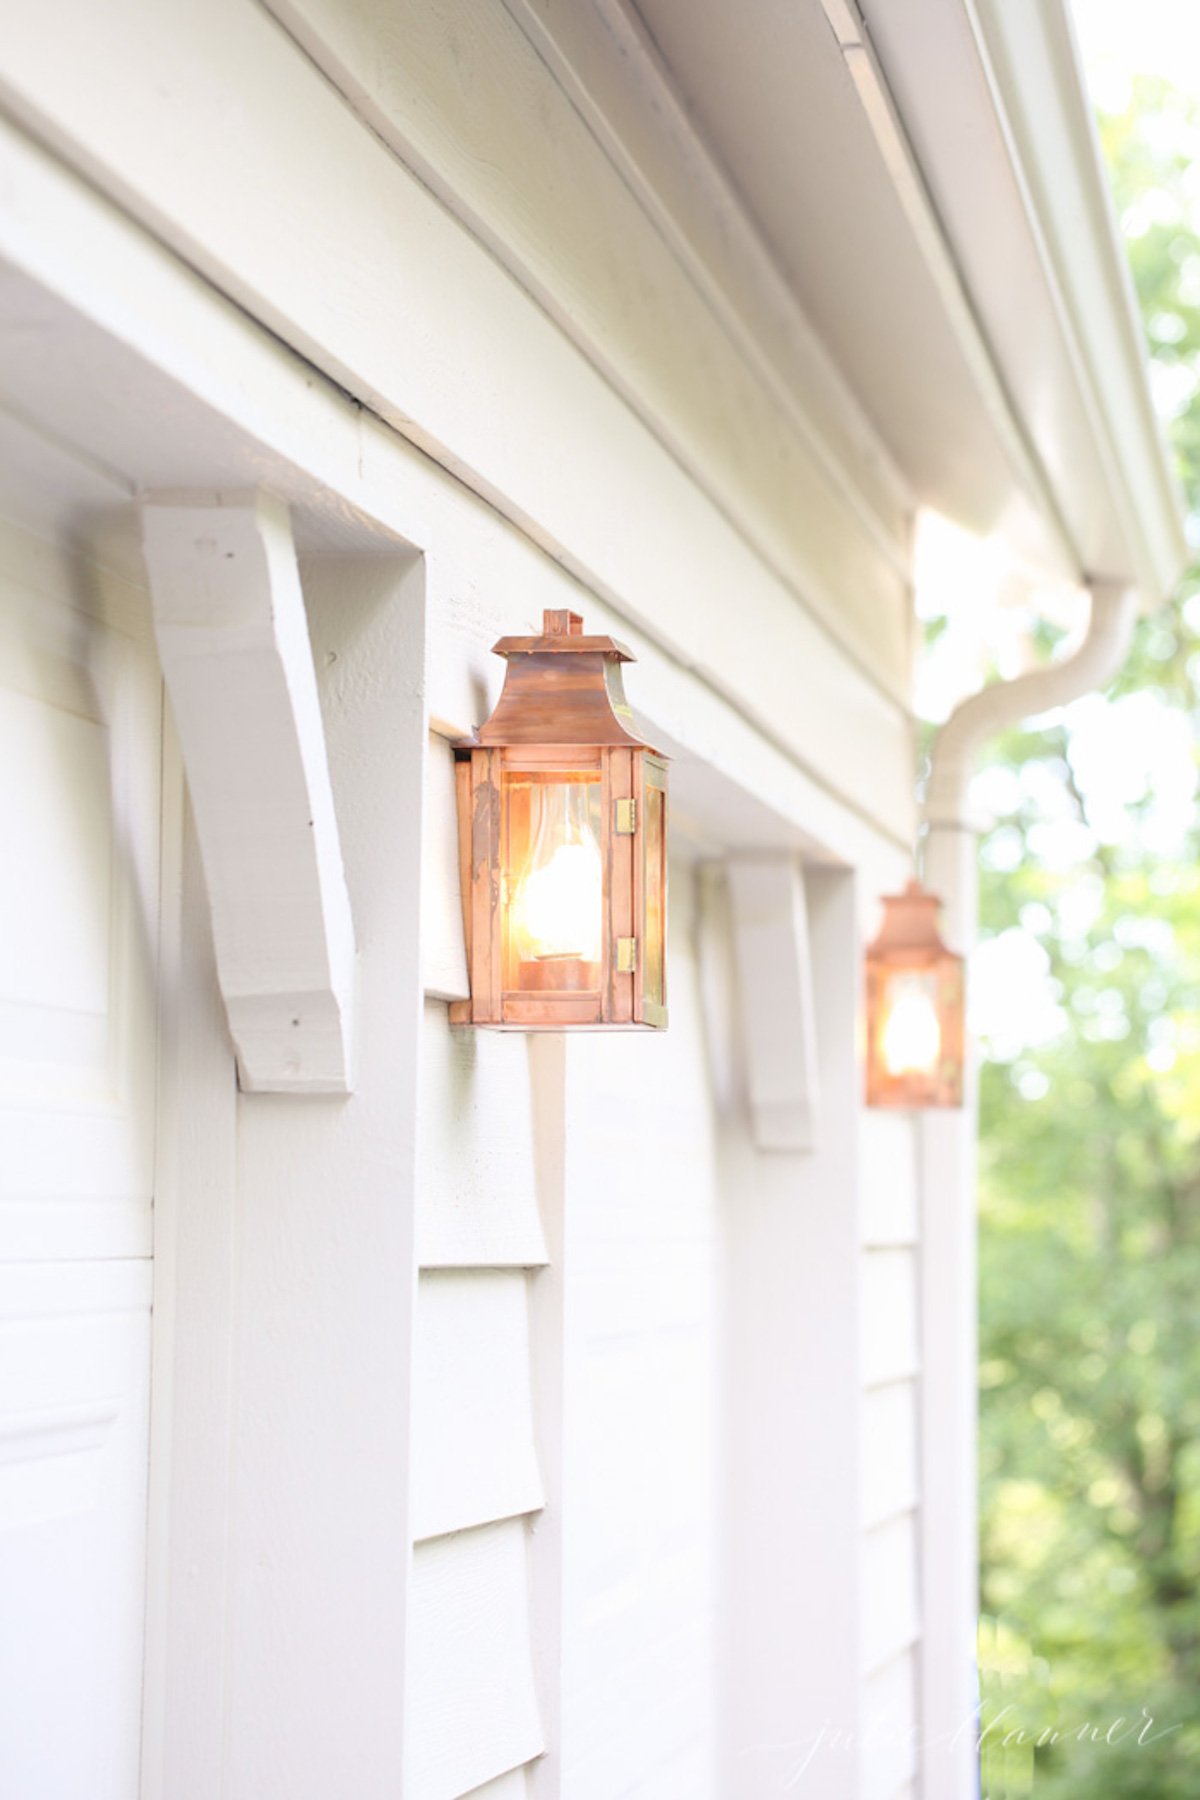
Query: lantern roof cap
[(561, 687), (910, 923)]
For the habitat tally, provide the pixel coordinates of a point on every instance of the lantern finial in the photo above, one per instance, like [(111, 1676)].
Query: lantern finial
[(562, 624)]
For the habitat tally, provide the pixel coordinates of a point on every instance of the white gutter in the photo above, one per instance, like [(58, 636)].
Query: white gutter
[(942, 264), (983, 124), (1096, 656), (948, 1305), (1037, 71)]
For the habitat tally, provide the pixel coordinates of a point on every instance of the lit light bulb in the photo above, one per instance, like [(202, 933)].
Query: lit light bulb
[(558, 904), (912, 1037)]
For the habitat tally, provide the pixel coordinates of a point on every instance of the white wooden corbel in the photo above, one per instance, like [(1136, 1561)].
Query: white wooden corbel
[(233, 640), (770, 930)]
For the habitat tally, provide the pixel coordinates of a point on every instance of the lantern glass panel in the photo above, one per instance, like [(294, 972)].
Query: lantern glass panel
[(553, 878), (914, 1008), (656, 895), (910, 1032)]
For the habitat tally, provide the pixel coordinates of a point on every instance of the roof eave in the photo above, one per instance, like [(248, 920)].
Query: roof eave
[(1038, 75)]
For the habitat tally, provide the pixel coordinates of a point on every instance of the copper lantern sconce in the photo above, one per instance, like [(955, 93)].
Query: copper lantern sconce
[(915, 1006), (562, 812)]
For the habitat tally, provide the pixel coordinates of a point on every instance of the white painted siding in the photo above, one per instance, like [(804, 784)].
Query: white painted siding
[(640, 1275), (890, 1495), (471, 1709), (643, 1270), (889, 1322), (473, 1451), (476, 1476), (889, 1180), (890, 1728), (80, 743), (889, 1451), (889, 1590), (476, 1198)]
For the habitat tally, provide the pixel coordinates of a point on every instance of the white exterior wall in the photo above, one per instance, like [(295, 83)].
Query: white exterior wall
[(80, 797), (890, 1423), (540, 1398), (644, 1437), (477, 1484)]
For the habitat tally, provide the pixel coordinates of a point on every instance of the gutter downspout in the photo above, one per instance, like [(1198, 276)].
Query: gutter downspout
[(947, 1147)]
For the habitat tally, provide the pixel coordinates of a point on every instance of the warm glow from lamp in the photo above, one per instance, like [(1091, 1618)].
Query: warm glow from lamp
[(912, 1037), (557, 905), (558, 901), (915, 1017)]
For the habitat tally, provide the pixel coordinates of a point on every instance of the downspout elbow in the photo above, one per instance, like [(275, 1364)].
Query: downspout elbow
[(1099, 652)]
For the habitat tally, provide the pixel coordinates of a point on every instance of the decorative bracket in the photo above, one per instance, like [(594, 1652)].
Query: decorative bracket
[(770, 930), (233, 640)]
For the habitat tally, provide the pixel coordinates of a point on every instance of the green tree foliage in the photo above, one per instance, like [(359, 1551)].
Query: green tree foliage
[(1090, 1138)]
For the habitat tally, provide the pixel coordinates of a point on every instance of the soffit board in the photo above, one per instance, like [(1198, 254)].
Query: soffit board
[(771, 88)]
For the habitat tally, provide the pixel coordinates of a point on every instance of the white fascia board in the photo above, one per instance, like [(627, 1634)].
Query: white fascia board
[(1036, 68)]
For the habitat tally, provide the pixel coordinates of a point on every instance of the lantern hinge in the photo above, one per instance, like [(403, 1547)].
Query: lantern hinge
[(626, 955), (626, 811)]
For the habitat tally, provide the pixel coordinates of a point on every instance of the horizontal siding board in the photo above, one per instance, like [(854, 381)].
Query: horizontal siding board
[(471, 1706), (476, 1169), (889, 1315), (73, 1400), (473, 1453), (888, 1757), (889, 1451), (49, 1289), (889, 1615), (48, 1229), (644, 1265), (887, 1150), (650, 1682)]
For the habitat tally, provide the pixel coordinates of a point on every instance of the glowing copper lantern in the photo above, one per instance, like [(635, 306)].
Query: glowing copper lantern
[(915, 995), (563, 844)]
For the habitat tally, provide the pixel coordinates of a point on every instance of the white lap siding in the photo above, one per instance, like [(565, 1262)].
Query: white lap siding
[(80, 734), (889, 1469), (472, 1706), (632, 1707), (642, 1270)]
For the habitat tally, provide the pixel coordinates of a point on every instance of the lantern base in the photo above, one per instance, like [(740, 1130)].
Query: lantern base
[(558, 975), (553, 1012)]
